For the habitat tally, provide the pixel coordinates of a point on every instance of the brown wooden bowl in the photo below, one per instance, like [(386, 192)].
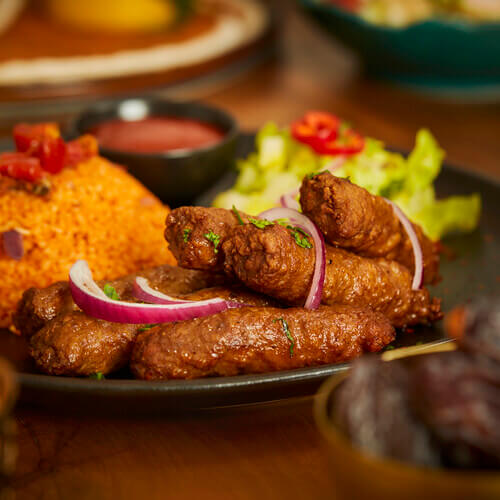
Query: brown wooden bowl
[(361, 475)]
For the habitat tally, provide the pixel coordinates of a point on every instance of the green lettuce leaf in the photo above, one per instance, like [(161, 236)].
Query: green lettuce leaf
[(279, 164)]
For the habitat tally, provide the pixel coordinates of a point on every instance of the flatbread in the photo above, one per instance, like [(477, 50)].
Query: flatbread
[(236, 23)]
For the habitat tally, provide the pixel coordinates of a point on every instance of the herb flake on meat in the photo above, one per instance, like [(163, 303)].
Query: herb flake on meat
[(214, 238), (97, 376), (261, 223), (148, 327), (185, 234), (110, 292), (288, 334), (238, 216)]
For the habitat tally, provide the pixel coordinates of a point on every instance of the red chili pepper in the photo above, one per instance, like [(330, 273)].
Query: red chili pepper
[(21, 166), (325, 133), (81, 149), (348, 142), (315, 127), (43, 141)]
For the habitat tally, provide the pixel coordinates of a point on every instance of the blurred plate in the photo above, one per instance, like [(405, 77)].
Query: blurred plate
[(66, 63), (474, 271), (439, 54)]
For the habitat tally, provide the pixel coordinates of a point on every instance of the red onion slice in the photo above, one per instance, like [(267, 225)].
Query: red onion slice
[(288, 200), (142, 291), (12, 242), (94, 302), (301, 221), (418, 275)]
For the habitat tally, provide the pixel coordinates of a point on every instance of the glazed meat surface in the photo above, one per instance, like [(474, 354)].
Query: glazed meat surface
[(74, 344), (352, 218), (271, 262), (186, 232), (39, 305), (258, 340)]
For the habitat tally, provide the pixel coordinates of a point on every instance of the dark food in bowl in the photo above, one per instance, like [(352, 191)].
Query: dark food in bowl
[(438, 409), (373, 408), (458, 398), (156, 134)]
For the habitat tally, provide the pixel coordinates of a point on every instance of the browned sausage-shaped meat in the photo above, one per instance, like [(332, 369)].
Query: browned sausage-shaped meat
[(271, 262), (195, 235), (39, 305), (258, 340), (352, 218), (74, 344)]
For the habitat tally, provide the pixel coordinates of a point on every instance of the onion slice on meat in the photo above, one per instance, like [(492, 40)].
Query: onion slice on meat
[(301, 221), (418, 275), (94, 302), (288, 199), (142, 291)]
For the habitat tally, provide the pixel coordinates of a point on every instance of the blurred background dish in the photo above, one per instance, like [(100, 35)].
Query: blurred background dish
[(360, 475), (177, 165), (419, 43), (87, 47)]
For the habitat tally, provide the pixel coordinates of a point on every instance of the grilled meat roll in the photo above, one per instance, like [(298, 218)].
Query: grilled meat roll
[(270, 261), (352, 218), (39, 305), (257, 340)]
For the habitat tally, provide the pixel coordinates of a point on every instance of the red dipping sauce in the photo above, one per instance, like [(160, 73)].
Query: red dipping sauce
[(156, 134)]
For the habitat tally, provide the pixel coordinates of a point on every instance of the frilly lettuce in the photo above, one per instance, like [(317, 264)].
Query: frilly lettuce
[(280, 163)]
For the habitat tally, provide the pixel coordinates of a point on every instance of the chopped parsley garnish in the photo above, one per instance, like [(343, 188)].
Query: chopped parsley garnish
[(287, 333), (185, 234), (260, 223), (97, 376), (314, 174), (389, 348), (238, 216), (302, 241), (148, 327), (214, 238), (110, 292)]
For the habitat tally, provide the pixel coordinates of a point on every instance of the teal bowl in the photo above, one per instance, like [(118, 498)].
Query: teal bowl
[(436, 53)]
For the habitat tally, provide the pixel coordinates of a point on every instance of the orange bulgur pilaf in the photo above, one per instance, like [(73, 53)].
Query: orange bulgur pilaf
[(94, 211)]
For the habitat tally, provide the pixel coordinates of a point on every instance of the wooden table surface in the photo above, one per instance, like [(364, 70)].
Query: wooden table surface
[(273, 450)]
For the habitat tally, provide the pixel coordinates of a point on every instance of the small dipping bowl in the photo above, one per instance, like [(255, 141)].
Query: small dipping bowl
[(177, 176), (357, 474)]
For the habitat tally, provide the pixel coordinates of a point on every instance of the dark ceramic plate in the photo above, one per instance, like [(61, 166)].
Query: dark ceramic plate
[(473, 271)]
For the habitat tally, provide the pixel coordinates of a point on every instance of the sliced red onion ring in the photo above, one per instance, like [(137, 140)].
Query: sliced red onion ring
[(142, 291), (418, 275), (12, 242), (288, 200), (301, 221), (94, 302)]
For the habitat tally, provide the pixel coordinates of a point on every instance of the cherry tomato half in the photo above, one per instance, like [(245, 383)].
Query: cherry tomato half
[(21, 166), (81, 149)]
